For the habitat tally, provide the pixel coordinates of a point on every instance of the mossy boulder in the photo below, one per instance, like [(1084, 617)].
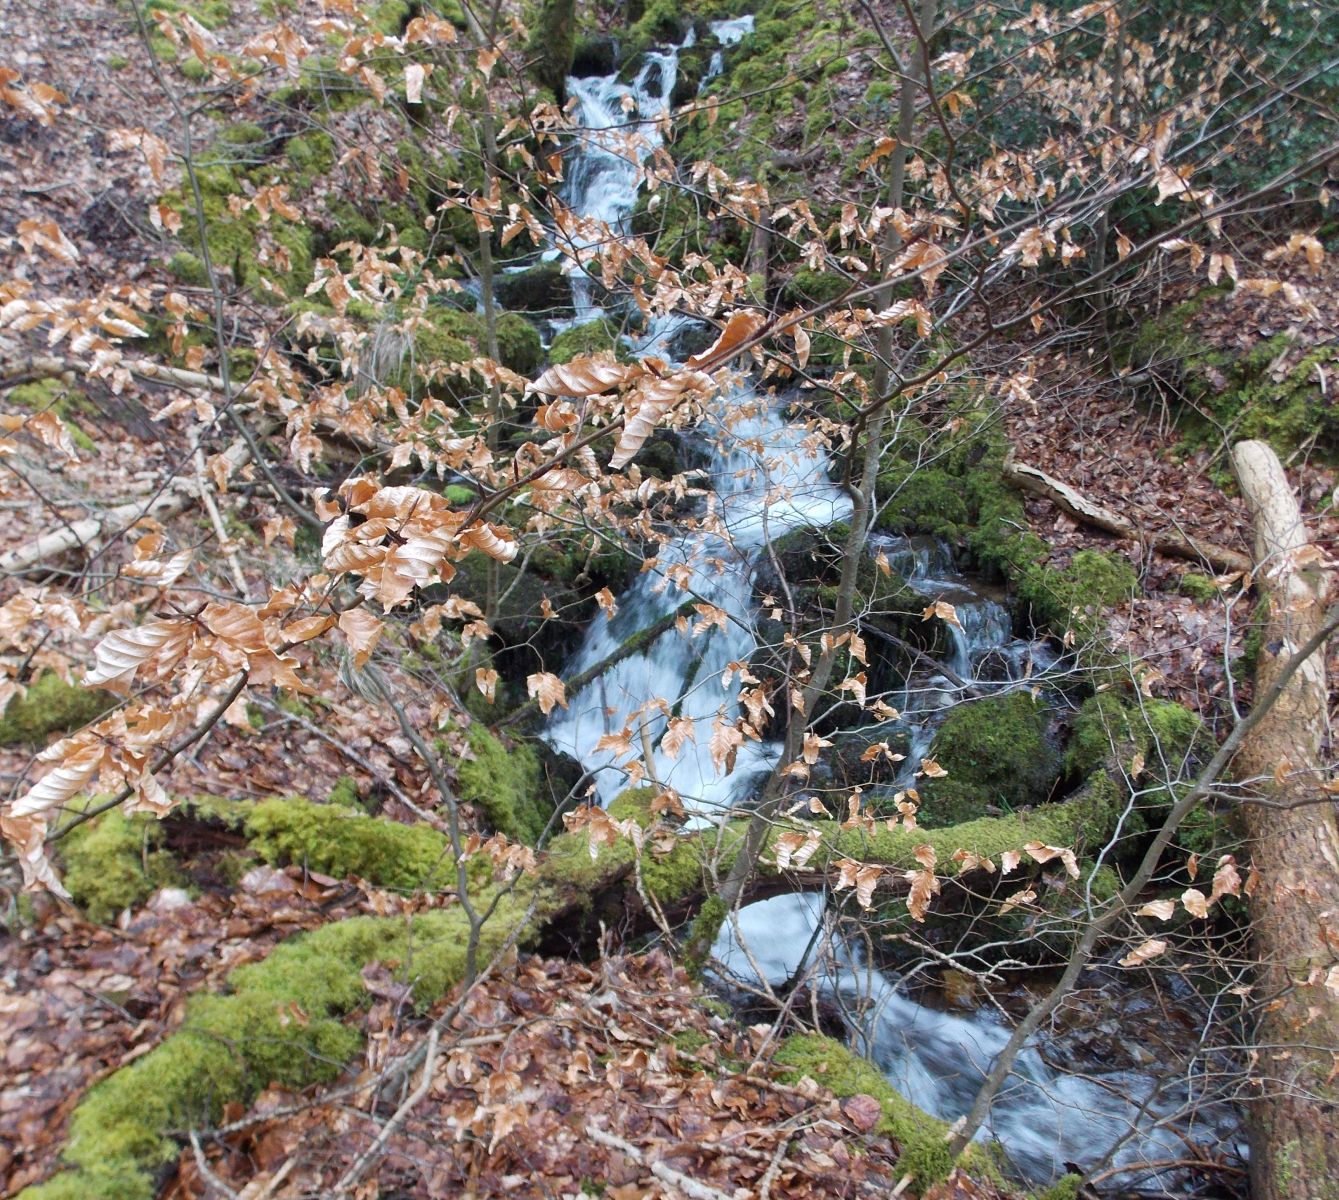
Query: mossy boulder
[(588, 338), (277, 254), (1164, 733), (921, 1140), (538, 289), (518, 345), (50, 706), (999, 745)]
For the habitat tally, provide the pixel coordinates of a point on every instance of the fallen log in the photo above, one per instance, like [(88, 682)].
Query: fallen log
[(1294, 846), (1173, 543)]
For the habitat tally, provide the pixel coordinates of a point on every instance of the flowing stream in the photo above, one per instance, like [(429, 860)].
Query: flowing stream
[(766, 478)]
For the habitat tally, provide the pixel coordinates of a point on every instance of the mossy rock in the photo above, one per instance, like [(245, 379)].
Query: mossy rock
[(921, 1140), (538, 289), (588, 338), (234, 240), (807, 288), (1161, 731), (1077, 594), (51, 706), (518, 345), (1274, 391), (998, 745), (553, 45)]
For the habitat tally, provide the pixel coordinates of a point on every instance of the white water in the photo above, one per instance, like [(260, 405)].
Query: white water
[(765, 479), (764, 476), (1043, 1118)]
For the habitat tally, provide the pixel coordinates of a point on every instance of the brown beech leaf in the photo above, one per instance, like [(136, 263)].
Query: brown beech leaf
[(863, 1111), (741, 326), (1161, 909), (1144, 952), (647, 404), (361, 631), (1196, 903), (548, 690), (124, 651), (587, 375)]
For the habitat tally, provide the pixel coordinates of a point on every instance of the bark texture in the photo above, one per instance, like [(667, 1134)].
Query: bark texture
[(1295, 848)]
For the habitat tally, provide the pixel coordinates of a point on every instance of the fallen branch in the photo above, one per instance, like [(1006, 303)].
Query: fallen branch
[(364, 1160), (1173, 543), (633, 645), (174, 499), (690, 1187)]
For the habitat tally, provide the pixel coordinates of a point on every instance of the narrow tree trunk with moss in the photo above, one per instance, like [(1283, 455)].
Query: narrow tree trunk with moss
[(554, 45), (1294, 846)]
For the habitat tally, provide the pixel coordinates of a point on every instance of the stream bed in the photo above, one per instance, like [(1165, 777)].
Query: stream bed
[(766, 477)]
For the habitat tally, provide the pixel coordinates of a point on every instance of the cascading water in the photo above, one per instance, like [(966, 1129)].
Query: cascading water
[(767, 477), (1045, 1119)]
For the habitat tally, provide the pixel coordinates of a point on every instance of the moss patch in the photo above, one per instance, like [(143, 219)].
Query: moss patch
[(51, 706), (922, 1141), (505, 783), (590, 338), (343, 843), (113, 863), (51, 395)]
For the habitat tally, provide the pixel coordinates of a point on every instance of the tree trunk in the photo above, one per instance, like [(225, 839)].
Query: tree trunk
[(1295, 848)]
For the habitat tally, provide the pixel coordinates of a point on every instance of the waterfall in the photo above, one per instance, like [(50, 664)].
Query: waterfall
[(765, 477), (1044, 1118)]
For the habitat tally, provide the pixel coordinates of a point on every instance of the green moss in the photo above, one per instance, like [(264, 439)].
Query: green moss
[(590, 338), (706, 925), (999, 745), (1075, 596), (234, 240), (1230, 396), (343, 843), (345, 793), (1066, 1188), (112, 863), (1160, 730), (188, 269), (505, 783), (43, 395), (50, 706), (309, 155), (518, 345), (554, 44), (808, 288), (1198, 587), (922, 1140)]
